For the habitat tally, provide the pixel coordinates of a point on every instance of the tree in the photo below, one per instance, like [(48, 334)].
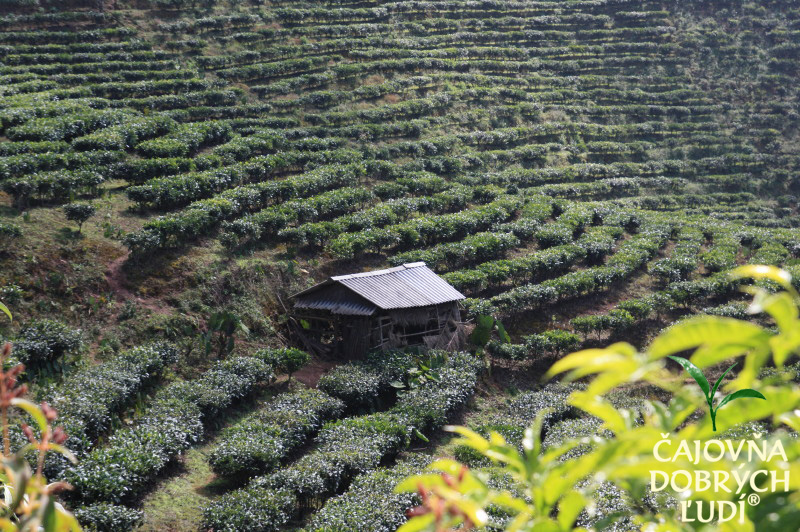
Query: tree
[(554, 486), (224, 324), (79, 213)]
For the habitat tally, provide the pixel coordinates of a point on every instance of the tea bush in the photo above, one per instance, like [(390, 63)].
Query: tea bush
[(345, 449), (259, 442), (42, 342)]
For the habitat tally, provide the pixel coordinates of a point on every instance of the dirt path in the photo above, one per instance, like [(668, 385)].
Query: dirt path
[(117, 281), (311, 373)]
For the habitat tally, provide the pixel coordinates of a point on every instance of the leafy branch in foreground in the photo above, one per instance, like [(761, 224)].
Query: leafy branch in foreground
[(29, 504), (554, 489)]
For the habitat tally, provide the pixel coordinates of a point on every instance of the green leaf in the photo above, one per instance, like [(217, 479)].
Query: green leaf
[(719, 381), (6, 311), (695, 372), (502, 333), (422, 522), (484, 321), (32, 409), (747, 392), (759, 271), (780, 306), (569, 508), (708, 331)]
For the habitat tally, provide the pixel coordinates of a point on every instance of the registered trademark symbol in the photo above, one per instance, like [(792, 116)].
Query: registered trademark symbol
[(753, 499)]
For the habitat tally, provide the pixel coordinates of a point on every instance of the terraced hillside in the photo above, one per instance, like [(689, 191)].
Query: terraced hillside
[(585, 171)]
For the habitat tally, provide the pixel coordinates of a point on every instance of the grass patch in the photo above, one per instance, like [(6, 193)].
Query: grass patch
[(175, 505)]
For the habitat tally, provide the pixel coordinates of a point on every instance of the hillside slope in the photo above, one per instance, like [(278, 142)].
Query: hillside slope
[(586, 171)]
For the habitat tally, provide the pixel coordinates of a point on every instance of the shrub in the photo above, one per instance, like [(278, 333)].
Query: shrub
[(120, 470), (44, 341), (79, 213), (355, 384), (363, 384), (253, 508), (500, 349), (9, 231), (109, 518), (259, 442), (286, 360), (370, 502), (555, 341), (347, 448)]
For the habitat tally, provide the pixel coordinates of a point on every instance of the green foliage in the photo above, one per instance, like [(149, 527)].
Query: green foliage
[(41, 343), (355, 384), (258, 443), (79, 213), (176, 420), (710, 393), (221, 329), (9, 231), (485, 326), (106, 517), (366, 384), (558, 477), (29, 504), (286, 360), (370, 502), (345, 449)]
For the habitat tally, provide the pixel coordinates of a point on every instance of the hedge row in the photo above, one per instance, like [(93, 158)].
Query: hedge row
[(389, 212), (258, 443), (89, 400), (526, 268), (721, 254), (186, 139), (345, 449), (133, 457), (42, 342), (364, 384), (199, 218), (551, 342), (126, 135), (370, 503), (266, 223), (518, 415), (684, 257), (179, 190), (68, 126), (58, 185), (680, 294), (472, 249), (631, 255), (28, 163), (425, 230)]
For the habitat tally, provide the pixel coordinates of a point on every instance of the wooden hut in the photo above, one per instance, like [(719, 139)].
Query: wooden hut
[(404, 306)]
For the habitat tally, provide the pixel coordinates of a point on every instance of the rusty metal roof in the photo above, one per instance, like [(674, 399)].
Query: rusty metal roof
[(406, 286)]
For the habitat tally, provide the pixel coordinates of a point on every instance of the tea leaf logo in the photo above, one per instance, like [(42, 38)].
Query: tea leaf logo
[(698, 376)]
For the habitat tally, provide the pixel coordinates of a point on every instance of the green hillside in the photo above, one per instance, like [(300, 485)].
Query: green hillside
[(585, 171)]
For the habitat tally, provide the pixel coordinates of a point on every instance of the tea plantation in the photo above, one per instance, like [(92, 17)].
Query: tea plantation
[(584, 171)]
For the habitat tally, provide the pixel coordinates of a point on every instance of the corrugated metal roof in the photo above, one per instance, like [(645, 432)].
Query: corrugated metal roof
[(406, 286), (335, 298), (349, 308)]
